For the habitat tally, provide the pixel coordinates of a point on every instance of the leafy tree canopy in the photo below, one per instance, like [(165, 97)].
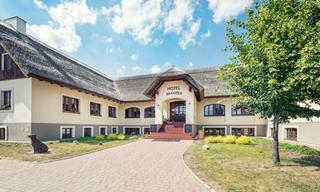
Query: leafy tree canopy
[(276, 69)]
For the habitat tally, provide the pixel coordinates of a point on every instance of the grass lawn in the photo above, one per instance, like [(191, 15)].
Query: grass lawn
[(232, 167), (58, 150)]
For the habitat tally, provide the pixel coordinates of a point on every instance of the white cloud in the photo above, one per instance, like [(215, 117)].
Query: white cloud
[(155, 69), (60, 32), (141, 19), (138, 18), (188, 37), (227, 9), (190, 64), (180, 14), (134, 57), (40, 4), (206, 35)]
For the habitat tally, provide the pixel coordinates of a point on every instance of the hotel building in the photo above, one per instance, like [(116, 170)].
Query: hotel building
[(53, 96)]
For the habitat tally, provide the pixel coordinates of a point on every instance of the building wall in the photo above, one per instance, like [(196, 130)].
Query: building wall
[(47, 117), (135, 121), (308, 130), (18, 120), (164, 95), (47, 106), (228, 119)]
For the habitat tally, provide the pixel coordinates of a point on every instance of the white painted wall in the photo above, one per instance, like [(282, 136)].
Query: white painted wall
[(47, 106), (21, 97), (228, 118), (186, 95), (135, 121)]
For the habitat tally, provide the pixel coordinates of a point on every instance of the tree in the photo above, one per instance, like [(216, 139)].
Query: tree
[(276, 68)]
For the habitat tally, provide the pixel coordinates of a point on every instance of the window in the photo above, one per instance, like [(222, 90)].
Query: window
[(149, 112), (6, 62), (87, 131), (133, 112), (95, 109), (115, 130), (240, 111), (6, 100), (215, 131), (3, 133), (291, 134), (132, 131), (214, 110), (242, 131), (103, 131), (67, 132), (146, 130), (112, 112), (70, 104)]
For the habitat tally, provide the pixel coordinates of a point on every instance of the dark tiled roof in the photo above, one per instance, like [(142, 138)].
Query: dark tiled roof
[(36, 59)]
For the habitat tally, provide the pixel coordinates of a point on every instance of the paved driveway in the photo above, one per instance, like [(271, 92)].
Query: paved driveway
[(144, 165)]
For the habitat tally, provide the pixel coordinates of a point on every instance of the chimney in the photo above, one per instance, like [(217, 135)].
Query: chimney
[(17, 23)]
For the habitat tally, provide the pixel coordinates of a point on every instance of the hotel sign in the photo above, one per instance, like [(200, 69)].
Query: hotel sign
[(173, 90)]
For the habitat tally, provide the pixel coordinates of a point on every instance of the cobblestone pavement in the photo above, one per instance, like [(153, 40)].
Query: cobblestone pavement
[(144, 165)]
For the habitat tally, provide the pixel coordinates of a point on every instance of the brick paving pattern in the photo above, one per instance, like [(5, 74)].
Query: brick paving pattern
[(140, 166)]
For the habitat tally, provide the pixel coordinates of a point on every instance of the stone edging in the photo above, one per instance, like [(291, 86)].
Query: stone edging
[(210, 189)]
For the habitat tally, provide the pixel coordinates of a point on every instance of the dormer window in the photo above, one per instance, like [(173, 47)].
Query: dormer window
[(6, 62)]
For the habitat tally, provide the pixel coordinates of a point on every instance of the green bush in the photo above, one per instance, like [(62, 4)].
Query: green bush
[(121, 137), (230, 139), (112, 136), (243, 140), (218, 139), (100, 137)]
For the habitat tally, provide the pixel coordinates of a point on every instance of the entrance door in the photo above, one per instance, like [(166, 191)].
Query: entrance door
[(178, 111)]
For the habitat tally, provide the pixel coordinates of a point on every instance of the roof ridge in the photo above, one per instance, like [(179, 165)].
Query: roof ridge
[(157, 74)]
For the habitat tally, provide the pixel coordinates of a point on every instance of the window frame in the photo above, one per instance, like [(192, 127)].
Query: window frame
[(2, 62), (100, 109), (115, 112), (154, 112), (245, 127), (285, 132), (213, 113), (216, 127), (73, 132), (135, 117), (132, 127), (5, 127), (115, 127), (242, 109), (105, 127), (11, 100), (70, 112), (90, 127), (146, 127)]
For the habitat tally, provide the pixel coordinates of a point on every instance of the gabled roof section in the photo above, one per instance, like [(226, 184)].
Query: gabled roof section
[(40, 61), (174, 74)]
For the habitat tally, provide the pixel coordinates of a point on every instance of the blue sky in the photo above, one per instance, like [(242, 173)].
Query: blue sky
[(131, 37)]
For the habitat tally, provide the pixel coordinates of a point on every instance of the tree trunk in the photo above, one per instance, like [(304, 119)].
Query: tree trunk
[(276, 154)]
